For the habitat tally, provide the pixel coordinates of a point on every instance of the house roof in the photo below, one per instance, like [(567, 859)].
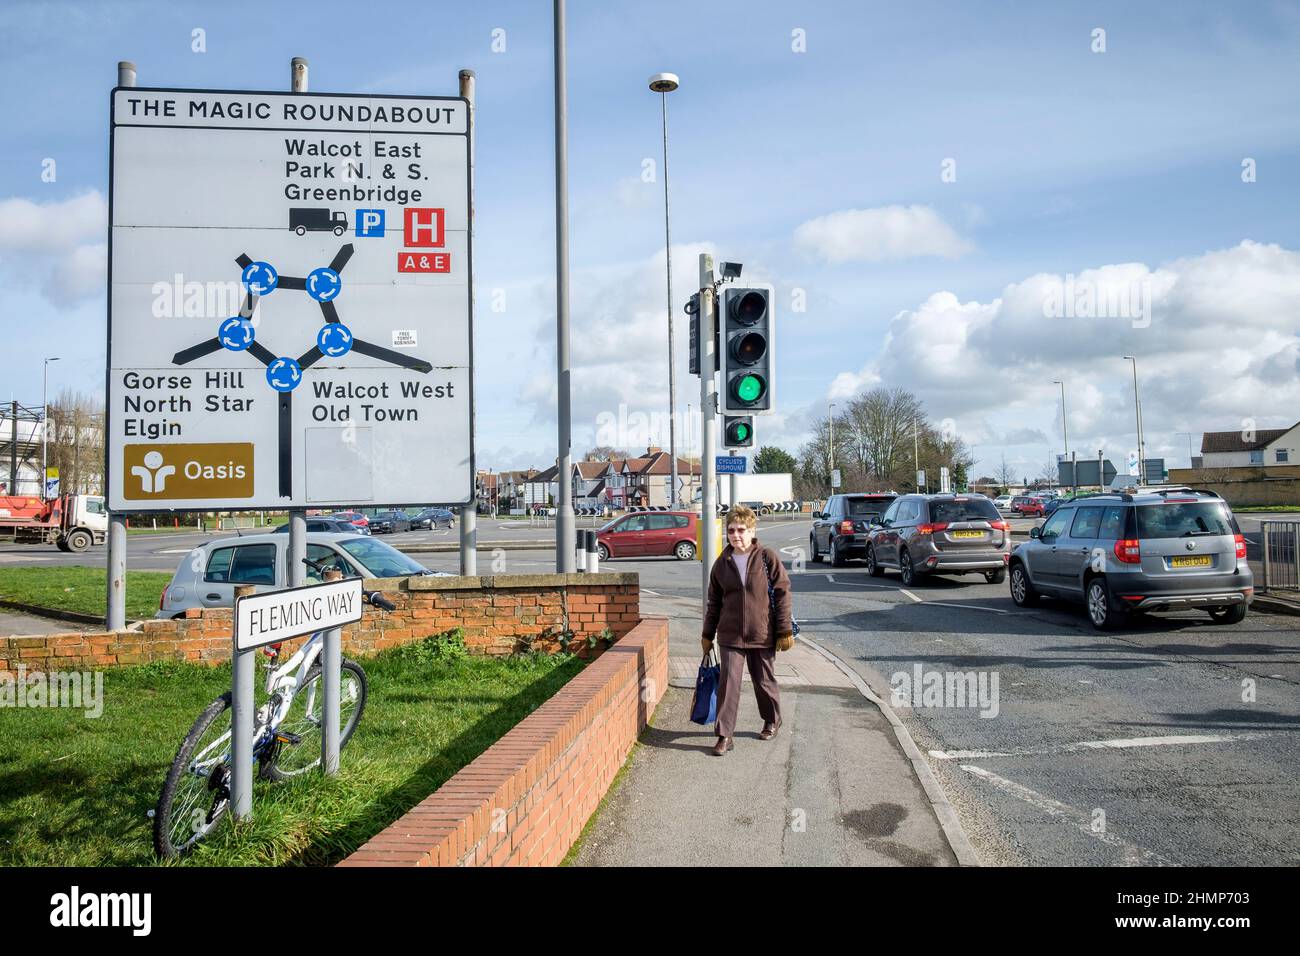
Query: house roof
[(591, 469), (636, 465), (1234, 441), (544, 477), (662, 462)]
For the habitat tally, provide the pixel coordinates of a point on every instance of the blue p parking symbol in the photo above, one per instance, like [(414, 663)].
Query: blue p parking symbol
[(370, 222)]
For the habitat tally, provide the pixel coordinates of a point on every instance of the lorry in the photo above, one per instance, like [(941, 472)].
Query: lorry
[(306, 219), (72, 522), (759, 492)]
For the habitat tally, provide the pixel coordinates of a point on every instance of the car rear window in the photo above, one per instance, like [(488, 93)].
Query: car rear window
[(969, 509), (867, 507), (1170, 520)]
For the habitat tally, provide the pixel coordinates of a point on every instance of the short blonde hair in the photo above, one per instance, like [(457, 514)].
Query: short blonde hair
[(740, 514)]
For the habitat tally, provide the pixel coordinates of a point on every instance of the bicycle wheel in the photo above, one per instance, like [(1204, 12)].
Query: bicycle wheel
[(196, 793), (298, 748)]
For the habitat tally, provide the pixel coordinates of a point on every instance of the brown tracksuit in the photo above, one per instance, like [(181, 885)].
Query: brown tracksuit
[(739, 614)]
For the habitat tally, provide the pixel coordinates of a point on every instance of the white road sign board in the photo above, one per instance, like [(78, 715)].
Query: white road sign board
[(289, 301), (276, 616)]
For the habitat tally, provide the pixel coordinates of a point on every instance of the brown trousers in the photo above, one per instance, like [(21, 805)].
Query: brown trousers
[(730, 682)]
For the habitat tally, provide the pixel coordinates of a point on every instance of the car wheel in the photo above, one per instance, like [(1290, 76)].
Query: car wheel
[(812, 549), (1233, 614), (911, 577), (1101, 610), (996, 577), (602, 551), (685, 551), (1022, 591), (838, 560), (873, 569)]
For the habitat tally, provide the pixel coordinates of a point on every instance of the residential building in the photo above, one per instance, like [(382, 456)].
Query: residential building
[(1251, 449)]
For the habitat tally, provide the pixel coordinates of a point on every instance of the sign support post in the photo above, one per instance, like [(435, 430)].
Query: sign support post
[(297, 516), (332, 664), (469, 512), (708, 426), (241, 723)]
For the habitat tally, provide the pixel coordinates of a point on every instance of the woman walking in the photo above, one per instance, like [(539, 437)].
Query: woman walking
[(749, 625)]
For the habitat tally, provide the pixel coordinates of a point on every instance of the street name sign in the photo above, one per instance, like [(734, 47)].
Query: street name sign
[(289, 301), (276, 616)]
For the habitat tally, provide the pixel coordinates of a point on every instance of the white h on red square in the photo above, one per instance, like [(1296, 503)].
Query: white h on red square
[(422, 227)]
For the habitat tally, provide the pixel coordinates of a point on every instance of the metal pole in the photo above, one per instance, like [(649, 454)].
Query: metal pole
[(564, 557), (13, 449), (832, 421), (469, 513), (708, 426), (1137, 405), (1263, 526), (672, 374), (733, 482), (243, 677), (297, 516), (115, 584), (916, 453), (332, 662)]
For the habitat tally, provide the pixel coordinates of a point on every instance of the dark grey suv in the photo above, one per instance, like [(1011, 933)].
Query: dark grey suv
[(940, 534), (1166, 549), (841, 530)]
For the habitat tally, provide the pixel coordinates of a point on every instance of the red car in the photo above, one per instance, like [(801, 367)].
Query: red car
[(1027, 505), (355, 518), (649, 533)]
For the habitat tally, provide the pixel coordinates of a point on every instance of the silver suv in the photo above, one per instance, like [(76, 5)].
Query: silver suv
[(1154, 549), (940, 534), (208, 575)]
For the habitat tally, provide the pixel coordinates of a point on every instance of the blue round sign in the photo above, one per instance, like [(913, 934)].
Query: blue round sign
[(284, 374), (260, 277), (324, 284), (334, 340), (236, 333)]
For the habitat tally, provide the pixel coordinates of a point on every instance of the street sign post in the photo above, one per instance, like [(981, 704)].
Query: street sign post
[(289, 302)]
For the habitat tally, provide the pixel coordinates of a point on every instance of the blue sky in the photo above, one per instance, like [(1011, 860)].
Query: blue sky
[(1066, 160)]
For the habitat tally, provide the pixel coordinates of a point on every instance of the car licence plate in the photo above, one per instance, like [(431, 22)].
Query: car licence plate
[(968, 534), (1199, 561)]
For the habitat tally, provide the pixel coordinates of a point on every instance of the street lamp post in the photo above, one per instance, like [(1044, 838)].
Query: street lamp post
[(663, 84), (832, 405), (45, 422), (1065, 433), (1137, 406)]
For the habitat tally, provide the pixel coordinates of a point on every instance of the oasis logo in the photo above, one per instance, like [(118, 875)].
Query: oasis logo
[(157, 472)]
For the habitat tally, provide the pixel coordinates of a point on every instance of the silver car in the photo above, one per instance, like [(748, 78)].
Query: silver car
[(208, 575), (940, 534), (1127, 553)]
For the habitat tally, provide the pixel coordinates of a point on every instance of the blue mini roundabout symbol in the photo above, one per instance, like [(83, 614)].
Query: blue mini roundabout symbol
[(323, 284), (236, 333), (260, 277), (334, 340), (284, 374)]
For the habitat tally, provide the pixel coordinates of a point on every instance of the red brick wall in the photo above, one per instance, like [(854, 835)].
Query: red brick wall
[(499, 614), (525, 800)]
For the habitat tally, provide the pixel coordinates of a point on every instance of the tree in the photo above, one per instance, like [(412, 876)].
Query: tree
[(1005, 474), (76, 442), (771, 460), (604, 453)]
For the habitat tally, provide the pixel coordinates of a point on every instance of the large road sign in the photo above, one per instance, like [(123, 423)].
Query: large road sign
[(289, 301)]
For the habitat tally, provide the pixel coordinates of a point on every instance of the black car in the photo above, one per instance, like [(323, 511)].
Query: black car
[(386, 522), (841, 530), (431, 518), (327, 525)]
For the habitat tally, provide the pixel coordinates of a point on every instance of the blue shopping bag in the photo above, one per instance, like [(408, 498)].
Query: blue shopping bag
[(704, 708)]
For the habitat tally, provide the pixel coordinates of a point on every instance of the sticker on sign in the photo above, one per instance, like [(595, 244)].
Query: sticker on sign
[(281, 615), (404, 339)]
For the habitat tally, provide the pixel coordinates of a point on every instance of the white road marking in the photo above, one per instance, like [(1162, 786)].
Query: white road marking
[(1116, 744), (963, 607), (1133, 855), (648, 591), (911, 595)]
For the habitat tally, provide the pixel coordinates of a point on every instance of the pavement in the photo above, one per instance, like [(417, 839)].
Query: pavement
[(835, 787)]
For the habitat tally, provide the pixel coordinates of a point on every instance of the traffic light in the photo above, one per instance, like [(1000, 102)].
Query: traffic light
[(746, 321), (738, 431)]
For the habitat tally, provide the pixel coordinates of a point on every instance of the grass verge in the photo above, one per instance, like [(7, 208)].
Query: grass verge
[(76, 791), (83, 590)]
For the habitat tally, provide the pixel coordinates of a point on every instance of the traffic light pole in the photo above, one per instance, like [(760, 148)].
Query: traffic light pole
[(708, 425)]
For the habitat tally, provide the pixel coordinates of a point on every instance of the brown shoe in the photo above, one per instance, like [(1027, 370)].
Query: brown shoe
[(722, 746), (769, 730)]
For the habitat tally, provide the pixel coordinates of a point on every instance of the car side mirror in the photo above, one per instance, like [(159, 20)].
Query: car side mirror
[(1035, 532)]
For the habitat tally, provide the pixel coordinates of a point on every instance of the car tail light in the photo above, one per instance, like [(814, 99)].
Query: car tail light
[(846, 527), (1000, 525), (932, 528), (162, 599), (1133, 597), (1129, 550), (1240, 541)]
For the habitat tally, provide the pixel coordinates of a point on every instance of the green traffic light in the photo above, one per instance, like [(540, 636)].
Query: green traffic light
[(749, 388), (742, 432)]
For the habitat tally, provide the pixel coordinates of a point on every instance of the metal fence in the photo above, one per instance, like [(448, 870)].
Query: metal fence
[(1281, 553)]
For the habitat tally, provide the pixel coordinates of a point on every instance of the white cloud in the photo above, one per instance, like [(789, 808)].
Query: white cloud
[(57, 246), (880, 234), (1219, 344)]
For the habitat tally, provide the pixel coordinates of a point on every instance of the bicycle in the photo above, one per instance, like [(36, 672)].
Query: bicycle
[(287, 741)]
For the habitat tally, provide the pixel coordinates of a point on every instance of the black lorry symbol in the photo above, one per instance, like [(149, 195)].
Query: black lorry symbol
[(303, 220)]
